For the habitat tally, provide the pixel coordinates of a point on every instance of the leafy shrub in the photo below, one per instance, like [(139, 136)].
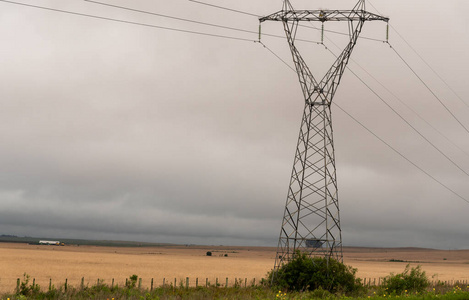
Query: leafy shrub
[(27, 289), (412, 279), (132, 282), (313, 273), (209, 253)]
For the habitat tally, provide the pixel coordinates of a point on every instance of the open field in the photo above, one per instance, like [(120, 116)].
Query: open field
[(170, 262)]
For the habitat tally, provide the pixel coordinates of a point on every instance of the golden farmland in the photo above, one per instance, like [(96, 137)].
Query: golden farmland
[(169, 262)]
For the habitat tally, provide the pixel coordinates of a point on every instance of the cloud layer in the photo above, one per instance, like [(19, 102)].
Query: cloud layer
[(118, 131)]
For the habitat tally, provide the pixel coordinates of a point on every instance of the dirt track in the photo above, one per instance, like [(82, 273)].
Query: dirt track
[(75, 262)]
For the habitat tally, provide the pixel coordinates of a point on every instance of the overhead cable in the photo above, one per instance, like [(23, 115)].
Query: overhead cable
[(191, 21), (225, 37), (444, 136), (225, 8), (384, 142), (128, 22), (275, 54), (404, 120), (425, 61), (429, 89), (410, 108), (402, 155)]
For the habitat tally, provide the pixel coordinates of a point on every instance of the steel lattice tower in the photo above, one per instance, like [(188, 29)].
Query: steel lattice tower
[(311, 221)]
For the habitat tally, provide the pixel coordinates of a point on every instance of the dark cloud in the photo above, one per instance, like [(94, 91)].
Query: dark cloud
[(117, 131)]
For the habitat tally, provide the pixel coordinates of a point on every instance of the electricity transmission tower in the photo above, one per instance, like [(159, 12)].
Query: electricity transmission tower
[(311, 221)]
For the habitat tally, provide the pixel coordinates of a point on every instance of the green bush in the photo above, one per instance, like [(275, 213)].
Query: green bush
[(27, 289), (132, 282), (411, 280), (313, 273)]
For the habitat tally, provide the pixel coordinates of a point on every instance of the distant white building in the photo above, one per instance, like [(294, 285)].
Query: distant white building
[(49, 242)]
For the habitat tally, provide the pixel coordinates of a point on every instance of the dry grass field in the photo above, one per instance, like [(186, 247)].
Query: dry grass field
[(170, 262)]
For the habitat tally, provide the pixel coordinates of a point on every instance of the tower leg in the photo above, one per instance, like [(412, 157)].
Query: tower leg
[(311, 221)]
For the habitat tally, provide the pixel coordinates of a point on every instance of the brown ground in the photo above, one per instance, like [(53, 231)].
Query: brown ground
[(170, 262)]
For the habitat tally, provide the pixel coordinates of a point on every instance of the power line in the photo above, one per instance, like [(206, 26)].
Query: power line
[(153, 26), (275, 54), (406, 106), (128, 22), (395, 112), (404, 120), (410, 108), (190, 21), (225, 37), (225, 8), (384, 142), (429, 89), (428, 64), (402, 155), (408, 65), (431, 68)]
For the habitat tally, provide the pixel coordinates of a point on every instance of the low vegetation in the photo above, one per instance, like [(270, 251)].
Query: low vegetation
[(411, 284), (304, 273), (411, 280)]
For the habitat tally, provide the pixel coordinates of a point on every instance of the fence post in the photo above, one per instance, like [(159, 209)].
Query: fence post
[(17, 285), (82, 282), (187, 282), (151, 286), (216, 282), (254, 282), (206, 282), (34, 282), (226, 282), (197, 282), (126, 282), (163, 282), (175, 283), (139, 283), (112, 284), (50, 284), (245, 282), (66, 281)]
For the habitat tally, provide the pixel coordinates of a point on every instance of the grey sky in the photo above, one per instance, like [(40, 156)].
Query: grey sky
[(118, 131)]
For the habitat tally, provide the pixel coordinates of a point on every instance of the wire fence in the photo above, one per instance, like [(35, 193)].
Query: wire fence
[(13, 284)]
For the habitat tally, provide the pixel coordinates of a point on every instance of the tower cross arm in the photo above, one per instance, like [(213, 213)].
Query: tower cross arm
[(323, 16)]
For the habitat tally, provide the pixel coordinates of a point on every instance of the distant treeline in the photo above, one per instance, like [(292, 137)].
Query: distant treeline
[(5, 238)]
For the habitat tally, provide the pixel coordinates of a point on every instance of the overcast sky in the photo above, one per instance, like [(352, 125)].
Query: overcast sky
[(126, 132)]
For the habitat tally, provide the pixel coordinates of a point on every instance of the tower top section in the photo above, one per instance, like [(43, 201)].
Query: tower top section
[(358, 13), (323, 16)]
